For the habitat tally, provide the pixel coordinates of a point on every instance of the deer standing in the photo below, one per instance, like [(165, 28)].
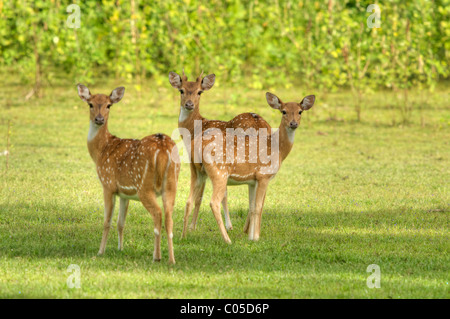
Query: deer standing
[(189, 113), (131, 169), (236, 172)]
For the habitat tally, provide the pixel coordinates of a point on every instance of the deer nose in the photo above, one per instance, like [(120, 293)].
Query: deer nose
[(293, 124), (189, 105), (99, 120)]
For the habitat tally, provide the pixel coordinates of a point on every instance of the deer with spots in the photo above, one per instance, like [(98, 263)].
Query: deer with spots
[(233, 163), (190, 92), (132, 169)]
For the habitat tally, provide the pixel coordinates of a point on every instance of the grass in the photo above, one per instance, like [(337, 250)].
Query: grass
[(350, 194)]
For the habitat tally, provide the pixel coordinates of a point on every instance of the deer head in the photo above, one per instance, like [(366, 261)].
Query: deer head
[(99, 104), (292, 111), (191, 91)]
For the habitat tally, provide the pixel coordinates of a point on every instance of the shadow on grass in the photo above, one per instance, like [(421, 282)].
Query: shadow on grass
[(290, 241)]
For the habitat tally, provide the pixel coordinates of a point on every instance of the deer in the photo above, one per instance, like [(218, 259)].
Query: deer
[(131, 169), (252, 171), (190, 92), (240, 164)]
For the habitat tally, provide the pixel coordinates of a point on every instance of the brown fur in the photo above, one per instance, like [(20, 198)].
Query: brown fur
[(132, 169), (190, 95), (223, 174)]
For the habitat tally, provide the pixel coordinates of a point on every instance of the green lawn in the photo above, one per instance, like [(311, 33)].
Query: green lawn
[(349, 195)]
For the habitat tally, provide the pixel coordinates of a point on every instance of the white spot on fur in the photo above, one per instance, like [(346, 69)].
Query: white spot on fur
[(126, 187), (145, 172)]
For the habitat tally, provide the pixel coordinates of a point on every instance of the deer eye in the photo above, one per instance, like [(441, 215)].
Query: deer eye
[(284, 112), (300, 112), (200, 92), (90, 105), (181, 91), (108, 106)]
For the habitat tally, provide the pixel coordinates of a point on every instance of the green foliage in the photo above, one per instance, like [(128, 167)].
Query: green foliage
[(323, 45)]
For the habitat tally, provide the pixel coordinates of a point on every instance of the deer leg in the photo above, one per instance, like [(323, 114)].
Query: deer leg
[(110, 200), (260, 213), (251, 205), (168, 203), (150, 203), (187, 210), (198, 196), (256, 214), (219, 189), (123, 208), (226, 212)]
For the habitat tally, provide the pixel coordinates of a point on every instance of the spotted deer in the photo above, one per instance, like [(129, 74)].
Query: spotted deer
[(252, 170), (190, 92), (131, 169)]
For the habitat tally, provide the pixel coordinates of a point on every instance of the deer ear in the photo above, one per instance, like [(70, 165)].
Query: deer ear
[(117, 94), (175, 80), (273, 100), (308, 102), (208, 82), (83, 92)]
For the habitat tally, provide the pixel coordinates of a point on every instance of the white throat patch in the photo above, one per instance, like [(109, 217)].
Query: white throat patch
[(290, 134), (184, 114), (93, 130)]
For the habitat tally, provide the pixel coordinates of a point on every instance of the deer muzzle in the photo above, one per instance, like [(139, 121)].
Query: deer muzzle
[(293, 125), (99, 120), (189, 105)]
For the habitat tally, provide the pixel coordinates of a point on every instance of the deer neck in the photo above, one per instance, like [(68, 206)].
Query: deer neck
[(286, 140), (97, 140), (187, 118)]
